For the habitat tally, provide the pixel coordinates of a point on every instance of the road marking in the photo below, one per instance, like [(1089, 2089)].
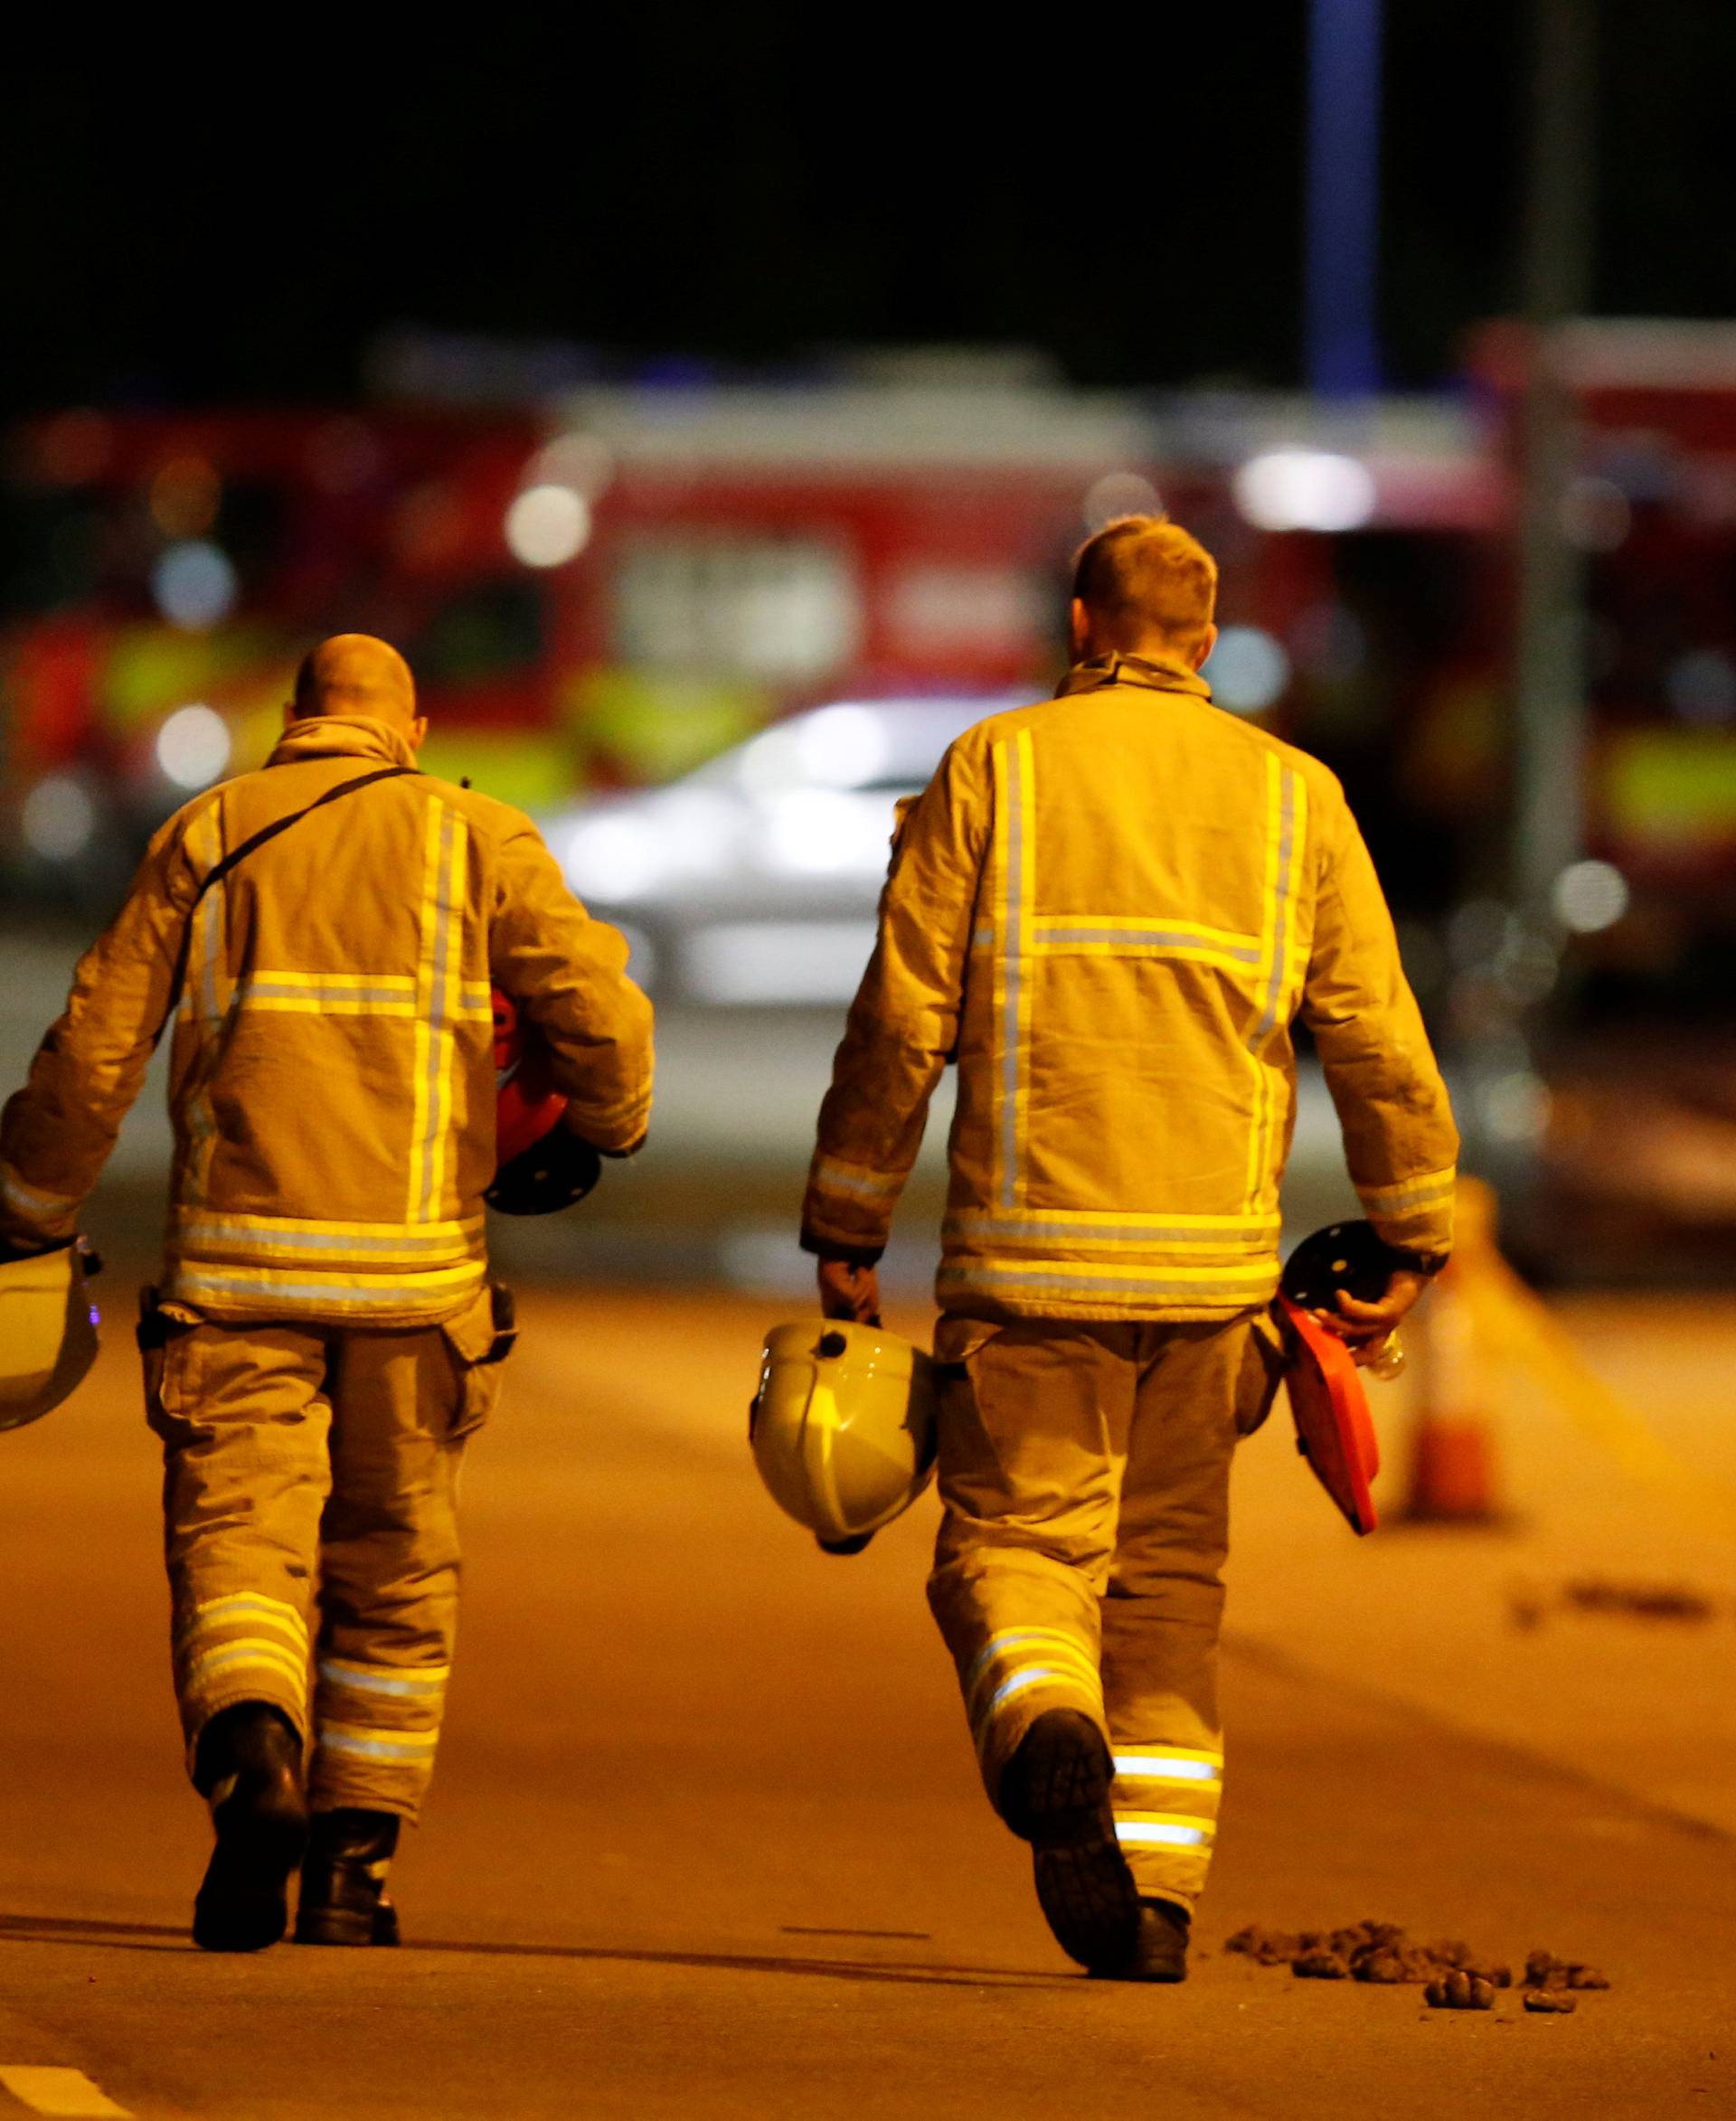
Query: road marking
[(68, 2093)]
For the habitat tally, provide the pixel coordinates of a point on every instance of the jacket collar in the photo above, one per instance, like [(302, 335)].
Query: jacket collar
[(1135, 670), (341, 735)]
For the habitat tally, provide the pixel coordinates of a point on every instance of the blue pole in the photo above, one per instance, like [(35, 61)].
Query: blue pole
[(1343, 349)]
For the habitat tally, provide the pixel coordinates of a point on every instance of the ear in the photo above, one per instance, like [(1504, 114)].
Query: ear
[(1208, 641), (1078, 627), (418, 730)]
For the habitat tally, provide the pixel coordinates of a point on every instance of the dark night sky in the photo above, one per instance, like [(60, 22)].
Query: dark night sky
[(716, 180)]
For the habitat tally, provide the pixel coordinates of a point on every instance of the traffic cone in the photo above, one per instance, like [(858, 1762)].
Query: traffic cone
[(1452, 1447)]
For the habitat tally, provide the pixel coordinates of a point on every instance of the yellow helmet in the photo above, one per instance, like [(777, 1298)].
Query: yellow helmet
[(48, 1333), (843, 1427)]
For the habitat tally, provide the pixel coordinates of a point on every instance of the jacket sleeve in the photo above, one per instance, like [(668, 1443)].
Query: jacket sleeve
[(1399, 1139), (569, 974), (903, 1025), (56, 1133)]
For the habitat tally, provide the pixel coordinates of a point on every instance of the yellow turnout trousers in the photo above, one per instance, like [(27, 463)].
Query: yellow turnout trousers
[(1084, 1474), (310, 1482)]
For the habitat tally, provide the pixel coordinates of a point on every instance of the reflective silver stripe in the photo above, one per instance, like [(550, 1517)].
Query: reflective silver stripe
[(271, 1241), (1204, 1291), (1150, 939), (417, 1748), (31, 1202), (832, 1178), (437, 1012), (397, 1679), (1166, 1767), (1280, 927), (1012, 974), (1160, 1834), (389, 1292), (1029, 1230), (1415, 1193), (257, 990)]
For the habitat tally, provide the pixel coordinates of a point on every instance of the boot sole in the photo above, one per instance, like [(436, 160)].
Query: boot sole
[(346, 1925), (243, 1904), (1055, 1795)]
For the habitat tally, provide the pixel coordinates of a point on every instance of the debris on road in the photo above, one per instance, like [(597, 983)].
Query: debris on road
[(1529, 1603), (1460, 1992), (1452, 1975), (1543, 1970)]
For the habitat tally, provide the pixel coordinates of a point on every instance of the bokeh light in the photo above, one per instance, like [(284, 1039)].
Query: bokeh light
[(1590, 896), (1305, 490), (1120, 493), (195, 586), (194, 746), (1248, 669), (58, 818), (548, 525), (184, 495)]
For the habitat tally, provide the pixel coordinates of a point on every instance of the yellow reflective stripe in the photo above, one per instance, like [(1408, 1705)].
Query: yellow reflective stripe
[(1128, 1218), (1042, 1652), (834, 1177), (1226, 1286), (400, 982), (1228, 939), (428, 924), (254, 1607), (303, 1285), (1409, 1192), (414, 1682), (1027, 854), (297, 1227), (1251, 1274), (477, 998), (1286, 827), (246, 1650), (449, 972), (199, 1004)]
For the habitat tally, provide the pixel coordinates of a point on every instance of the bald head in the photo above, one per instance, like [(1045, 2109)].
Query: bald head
[(354, 673)]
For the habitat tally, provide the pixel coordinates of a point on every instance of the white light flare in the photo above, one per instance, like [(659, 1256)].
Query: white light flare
[(1590, 896), (1247, 669), (194, 746), (58, 818), (548, 525), (1305, 490)]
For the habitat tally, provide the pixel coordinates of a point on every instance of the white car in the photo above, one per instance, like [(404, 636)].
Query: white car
[(754, 879)]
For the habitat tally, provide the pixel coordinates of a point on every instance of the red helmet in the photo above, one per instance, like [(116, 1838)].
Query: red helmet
[(540, 1165), (526, 1103)]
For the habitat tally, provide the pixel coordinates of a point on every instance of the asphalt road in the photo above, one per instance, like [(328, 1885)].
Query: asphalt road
[(706, 1838)]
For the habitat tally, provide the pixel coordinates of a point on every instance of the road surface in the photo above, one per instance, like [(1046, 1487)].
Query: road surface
[(706, 1839)]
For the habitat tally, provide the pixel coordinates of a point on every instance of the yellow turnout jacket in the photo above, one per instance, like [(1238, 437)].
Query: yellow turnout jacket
[(331, 1076), (1110, 909)]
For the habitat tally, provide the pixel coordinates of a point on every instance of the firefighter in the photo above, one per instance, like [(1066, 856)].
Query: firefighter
[(324, 934), (1109, 909)]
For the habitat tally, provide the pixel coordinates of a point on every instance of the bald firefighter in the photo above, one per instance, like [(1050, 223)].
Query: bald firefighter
[(324, 935), (1109, 909)]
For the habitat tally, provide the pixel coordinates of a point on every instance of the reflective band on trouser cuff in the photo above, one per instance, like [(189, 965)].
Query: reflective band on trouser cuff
[(1163, 1830), (833, 1177), (413, 1748), (1019, 1662), (408, 1683), (241, 1643)]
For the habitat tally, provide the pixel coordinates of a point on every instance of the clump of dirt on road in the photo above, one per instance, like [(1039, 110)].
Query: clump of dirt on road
[(1460, 1991), (1383, 1953), (1549, 1999), (1530, 1604), (1544, 1971)]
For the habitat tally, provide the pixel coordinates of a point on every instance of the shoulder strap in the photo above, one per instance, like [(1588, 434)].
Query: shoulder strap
[(236, 855)]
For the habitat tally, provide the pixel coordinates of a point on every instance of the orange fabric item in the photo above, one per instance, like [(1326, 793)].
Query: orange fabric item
[(1334, 1428)]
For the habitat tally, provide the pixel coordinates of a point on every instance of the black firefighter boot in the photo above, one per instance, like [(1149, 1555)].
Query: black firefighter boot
[(344, 1877), (1055, 1793), (248, 1766)]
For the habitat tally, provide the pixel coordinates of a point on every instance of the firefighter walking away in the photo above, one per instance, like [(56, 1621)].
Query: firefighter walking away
[(1110, 909), (324, 936)]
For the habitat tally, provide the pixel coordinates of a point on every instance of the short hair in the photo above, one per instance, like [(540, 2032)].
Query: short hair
[(1144, 574)]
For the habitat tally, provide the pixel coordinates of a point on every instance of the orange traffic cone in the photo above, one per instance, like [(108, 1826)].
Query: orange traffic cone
[(1452, 1448)]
